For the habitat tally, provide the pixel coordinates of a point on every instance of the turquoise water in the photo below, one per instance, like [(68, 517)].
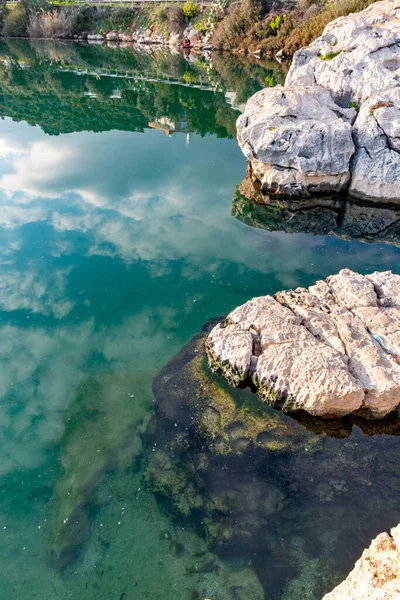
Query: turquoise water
[(116, 244)]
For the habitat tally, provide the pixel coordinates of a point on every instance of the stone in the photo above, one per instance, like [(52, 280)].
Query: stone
[(262, 483), (112, 36), (376, 575), (376, 164), (356, 57), (332, 349), (297, 140), (174, 39), (126, 36), (304, 140)]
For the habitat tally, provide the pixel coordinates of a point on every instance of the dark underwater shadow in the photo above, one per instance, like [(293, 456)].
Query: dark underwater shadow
[(296, 497)]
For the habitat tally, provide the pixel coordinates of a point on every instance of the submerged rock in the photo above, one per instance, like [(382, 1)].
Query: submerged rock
[(344, 218), (279, 494), (306, 139), (331, 350), (376, 575)]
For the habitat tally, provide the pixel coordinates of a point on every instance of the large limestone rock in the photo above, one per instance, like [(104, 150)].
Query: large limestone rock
[(298, 140), (376, 164), (356, 56), (332, 349), (304, 139), (376, 575)]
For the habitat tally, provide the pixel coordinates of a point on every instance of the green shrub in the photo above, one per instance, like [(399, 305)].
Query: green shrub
[(201, 27), (275, 23), (82, 20), (120, 19), (355, 106), (189, 77), (270, 80), (189, 9), (16, 23)]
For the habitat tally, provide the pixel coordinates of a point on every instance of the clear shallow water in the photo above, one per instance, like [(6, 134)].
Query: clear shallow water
[(116, 244)]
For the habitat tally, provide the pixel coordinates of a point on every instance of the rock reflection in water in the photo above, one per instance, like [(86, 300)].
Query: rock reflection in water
[(345, 218), (296, 499)]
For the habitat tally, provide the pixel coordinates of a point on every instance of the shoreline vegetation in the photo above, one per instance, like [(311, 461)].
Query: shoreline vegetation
[(262, 27)]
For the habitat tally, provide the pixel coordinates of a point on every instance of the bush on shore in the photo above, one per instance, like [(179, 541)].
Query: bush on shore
[(16, 23), (240, 17)]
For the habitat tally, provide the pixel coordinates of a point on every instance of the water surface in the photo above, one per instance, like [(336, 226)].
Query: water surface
[(117, 173)]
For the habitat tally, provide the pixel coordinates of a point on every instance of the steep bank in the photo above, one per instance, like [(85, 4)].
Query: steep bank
[(334, 126), (166, 24)]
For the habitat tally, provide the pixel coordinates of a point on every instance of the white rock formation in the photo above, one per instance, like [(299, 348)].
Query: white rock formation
[(298, 140), (356, 56), (356, 62), (376, 575), (376, 164), (331, 349)]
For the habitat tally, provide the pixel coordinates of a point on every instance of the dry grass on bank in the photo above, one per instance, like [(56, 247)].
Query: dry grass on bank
[(47, 24), (249, 25)]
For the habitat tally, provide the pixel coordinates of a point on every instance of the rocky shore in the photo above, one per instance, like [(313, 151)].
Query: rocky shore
[(331, 349), (150, 36), (334, 127)]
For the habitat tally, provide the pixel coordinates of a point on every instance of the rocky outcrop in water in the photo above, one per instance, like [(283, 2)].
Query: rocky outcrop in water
[(331, 349), (298, 140), (376, 575), (335, 125)]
